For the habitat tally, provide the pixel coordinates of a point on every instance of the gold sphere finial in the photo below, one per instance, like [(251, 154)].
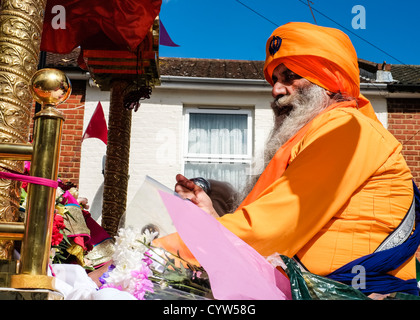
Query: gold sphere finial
[(50, 86)]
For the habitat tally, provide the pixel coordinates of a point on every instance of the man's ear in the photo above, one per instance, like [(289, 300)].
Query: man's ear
[(334, 95)]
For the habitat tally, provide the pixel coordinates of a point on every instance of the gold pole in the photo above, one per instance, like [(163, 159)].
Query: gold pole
[(41, 199), (12, 230), (16, 151), (20, 38), (50, 87), (117, 159)]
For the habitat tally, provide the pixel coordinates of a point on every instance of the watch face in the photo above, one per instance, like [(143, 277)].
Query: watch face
[(202, 183)]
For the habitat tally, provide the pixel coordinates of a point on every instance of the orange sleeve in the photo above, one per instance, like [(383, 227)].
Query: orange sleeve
[(340, 151), (174, 244)]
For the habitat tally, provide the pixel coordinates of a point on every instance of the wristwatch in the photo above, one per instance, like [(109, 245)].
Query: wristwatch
[(202, 183)]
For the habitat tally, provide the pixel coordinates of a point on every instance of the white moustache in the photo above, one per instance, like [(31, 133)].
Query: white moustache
[(283, 104)]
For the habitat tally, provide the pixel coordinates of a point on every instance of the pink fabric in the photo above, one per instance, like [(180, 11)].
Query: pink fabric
[(29, 179), (236, 271), (69, 199)]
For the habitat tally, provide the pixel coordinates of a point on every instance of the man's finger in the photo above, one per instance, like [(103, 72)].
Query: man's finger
[(183, 181)]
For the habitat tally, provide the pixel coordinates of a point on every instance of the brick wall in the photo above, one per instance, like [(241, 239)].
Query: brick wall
[(73, 109), (404, 123), (70, 153)]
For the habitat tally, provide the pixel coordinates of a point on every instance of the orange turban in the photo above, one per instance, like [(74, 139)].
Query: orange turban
[(324, 56)]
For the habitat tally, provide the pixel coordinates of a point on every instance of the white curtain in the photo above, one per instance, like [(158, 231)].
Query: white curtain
[(214, 135), (234, 173), (217, 134)]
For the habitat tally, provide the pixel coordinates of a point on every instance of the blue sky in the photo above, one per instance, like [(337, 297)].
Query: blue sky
[(238, 29)]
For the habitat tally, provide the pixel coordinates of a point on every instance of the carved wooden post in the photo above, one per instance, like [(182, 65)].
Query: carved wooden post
[(117, 159)]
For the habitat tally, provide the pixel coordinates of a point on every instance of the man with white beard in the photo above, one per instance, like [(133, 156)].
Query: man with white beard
[(291, 112), (336, 191)]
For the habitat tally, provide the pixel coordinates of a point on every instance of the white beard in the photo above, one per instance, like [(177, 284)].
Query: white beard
[(291, 113)]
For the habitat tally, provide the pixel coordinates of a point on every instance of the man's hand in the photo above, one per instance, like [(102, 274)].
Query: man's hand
[(187, 189)]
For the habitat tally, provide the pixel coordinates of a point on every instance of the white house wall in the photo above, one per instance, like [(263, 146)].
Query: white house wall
[(379, 104)]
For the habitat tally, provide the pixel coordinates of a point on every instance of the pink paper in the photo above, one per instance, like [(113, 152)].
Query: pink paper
[(236, 270)]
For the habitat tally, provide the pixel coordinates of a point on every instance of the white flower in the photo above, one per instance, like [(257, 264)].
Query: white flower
[(119, 276), (58, 192), (74, 192), (127, 259), (130, 239), (131, 269), (128, 253), (148, 237)]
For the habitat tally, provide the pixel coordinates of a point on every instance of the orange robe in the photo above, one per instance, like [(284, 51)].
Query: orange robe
[(346, 187)]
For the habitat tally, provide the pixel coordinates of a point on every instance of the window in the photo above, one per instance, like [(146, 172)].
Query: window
[(218, 144)]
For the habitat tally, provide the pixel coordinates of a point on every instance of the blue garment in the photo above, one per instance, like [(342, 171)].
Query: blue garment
[(376, 265)]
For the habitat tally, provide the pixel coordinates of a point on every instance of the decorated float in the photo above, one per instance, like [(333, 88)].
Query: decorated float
[(51, 248)]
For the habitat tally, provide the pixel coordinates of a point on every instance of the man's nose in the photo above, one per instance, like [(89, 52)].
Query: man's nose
[(279, 89)]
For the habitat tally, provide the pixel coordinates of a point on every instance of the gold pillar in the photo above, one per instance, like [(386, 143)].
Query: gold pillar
[(20, 38), (50, 87), (117, 159)]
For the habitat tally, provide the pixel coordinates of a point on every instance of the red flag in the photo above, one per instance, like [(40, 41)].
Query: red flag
[(97, 127), (97, 24)]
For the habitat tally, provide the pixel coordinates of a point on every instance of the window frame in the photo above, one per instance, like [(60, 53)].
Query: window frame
[(217, 158)]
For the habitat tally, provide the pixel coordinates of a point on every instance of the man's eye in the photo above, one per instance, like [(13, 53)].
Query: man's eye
[(274, 79), (291, 76), (294, 76)]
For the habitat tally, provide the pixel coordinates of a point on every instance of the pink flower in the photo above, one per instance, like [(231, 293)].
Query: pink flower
[(142, 282), (147, 259), (26, 172), (27, 166), (83, 202)]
